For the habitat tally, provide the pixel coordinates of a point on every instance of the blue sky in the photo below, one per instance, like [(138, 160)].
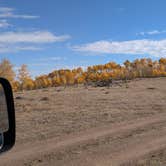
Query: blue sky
[(53, 34)]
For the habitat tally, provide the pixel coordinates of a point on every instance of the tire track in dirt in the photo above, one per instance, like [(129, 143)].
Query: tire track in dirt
[(121, 155), (21, 153), (140, 150), (133, 152)]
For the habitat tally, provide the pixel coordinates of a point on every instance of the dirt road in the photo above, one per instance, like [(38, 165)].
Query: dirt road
[(91, 127)]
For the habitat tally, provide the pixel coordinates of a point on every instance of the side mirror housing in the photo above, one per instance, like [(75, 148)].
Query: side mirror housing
[(7, 116)]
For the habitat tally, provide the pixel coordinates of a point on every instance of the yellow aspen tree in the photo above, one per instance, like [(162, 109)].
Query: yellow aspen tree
[(56, 81), (24, 76), (29, 84), (6, 70), (15, 86)]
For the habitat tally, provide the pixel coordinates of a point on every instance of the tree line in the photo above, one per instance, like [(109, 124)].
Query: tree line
[(138, 68)]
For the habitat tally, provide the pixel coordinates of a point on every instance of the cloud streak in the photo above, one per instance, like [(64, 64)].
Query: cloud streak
[(54, 58), (16, 48), (154, 32), (155, 48), (4, 24), (31, 37), (6, 12)]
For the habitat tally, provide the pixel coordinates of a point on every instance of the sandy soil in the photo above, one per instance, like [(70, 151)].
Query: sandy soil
[(91, 127)]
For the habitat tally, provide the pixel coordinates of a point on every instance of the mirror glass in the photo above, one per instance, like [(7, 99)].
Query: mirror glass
[(4, 124)]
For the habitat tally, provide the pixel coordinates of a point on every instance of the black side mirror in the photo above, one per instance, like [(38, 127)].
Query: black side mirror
[(7, 116)]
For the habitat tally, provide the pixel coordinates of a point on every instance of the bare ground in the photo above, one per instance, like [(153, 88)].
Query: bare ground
[(91, 127)]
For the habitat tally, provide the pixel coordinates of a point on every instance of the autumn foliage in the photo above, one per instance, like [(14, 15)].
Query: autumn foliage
[(139, 68)]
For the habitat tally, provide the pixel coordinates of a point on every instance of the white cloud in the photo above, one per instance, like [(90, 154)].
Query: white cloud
[(11, 15), (23, 41), (12, 41), (38, 64), (4, 24), (151, 47), (27, 48), (6, 12), (72, 67), (6, 9), (31, 37), (15, 48), (153, 32), (53, 58)]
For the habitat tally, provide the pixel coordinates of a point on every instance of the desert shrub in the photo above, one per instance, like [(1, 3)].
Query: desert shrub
[(19, 98), (44, 99)]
